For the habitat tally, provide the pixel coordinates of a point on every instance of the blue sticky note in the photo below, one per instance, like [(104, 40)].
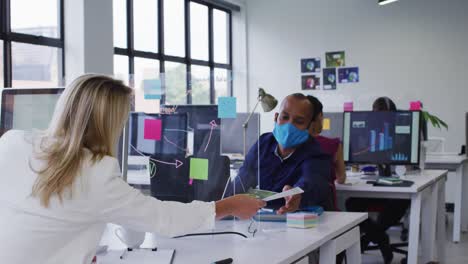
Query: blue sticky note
[(227, 107), (152, 89)]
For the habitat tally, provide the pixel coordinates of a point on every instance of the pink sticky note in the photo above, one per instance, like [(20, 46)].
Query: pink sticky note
[(415, 106), (190, 182), (153, 129), (348, 106)]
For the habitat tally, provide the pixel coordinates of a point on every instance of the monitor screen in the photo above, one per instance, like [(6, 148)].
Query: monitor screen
[(332, 125), (203, 124), (172, 139), (381, 137), (232, 133), (27, 109)]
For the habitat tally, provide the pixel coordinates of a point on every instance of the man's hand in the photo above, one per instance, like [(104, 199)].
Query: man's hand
[(241, 206), (292, 202)]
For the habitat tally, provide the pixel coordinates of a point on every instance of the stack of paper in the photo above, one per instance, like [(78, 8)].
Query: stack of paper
[(302, 220)]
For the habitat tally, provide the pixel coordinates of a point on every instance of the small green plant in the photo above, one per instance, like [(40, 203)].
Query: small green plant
[(435, 121)]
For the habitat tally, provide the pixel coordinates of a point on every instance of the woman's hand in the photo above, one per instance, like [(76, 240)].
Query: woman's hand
[(241, 206)]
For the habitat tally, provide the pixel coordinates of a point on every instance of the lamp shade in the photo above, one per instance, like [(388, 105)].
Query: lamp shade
[(384, 2), (267, 101)]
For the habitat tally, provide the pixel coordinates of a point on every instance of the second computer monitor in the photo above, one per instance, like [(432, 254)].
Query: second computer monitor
[(173, 134), (332, 125), (27, 109), (381, 137), (232, 133)]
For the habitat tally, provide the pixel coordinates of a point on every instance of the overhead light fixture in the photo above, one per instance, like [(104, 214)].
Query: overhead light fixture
[(384, 2)]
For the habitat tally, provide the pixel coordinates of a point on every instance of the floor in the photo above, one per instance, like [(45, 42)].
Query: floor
[(456, 253)]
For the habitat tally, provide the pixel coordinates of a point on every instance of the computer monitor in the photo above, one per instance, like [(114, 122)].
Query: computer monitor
[(200, 120), (27, 109), (382, 137), (232, 133), (333, 125), (466, 134), (173, 136)]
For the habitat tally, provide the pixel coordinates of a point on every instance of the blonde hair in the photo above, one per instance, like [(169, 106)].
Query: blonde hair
[(91, 114)]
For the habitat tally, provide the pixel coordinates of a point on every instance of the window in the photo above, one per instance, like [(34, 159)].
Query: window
[(32, 43), (185, 43)]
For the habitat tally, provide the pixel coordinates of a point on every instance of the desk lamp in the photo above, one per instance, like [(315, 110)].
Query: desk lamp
[(268, 103)]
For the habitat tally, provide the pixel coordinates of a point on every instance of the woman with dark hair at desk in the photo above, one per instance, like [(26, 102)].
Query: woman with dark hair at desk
[(390, 211), (60, 187), (330, 146)]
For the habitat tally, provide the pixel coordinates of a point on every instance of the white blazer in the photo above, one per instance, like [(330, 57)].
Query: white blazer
[(69, 232)]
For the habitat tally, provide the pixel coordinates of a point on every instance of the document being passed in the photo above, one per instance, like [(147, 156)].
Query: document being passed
[(270, 196)]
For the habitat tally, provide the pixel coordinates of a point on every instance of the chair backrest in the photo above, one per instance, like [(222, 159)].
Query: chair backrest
[(173, 184), (218, 174), (170, 183)]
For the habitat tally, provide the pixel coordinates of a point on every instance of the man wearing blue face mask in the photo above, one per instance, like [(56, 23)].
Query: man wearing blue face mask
[(289, 158)]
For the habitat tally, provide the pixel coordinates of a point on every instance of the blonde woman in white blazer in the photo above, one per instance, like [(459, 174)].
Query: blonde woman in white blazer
[(60, 187)]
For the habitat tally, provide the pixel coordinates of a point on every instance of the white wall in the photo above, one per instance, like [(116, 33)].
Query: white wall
[(412, 49)]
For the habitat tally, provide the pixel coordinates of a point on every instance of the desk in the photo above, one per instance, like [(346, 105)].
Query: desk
[(457, 164), (335, 232), (427, 196)]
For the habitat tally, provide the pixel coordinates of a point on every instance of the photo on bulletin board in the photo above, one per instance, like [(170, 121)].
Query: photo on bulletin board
[(335, 59), (310, 65), (348, 75), (310, 82), (329, 79)]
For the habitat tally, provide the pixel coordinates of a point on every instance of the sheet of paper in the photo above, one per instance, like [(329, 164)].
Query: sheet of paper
[(227, 107), (259, 194), (199, 169), (290, 192), (153, 129), (138, 256)]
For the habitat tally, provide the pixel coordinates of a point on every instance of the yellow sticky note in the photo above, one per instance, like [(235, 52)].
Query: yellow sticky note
[(326, 124)]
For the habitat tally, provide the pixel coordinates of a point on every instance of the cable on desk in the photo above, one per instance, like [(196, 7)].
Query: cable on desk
[(213, 234)]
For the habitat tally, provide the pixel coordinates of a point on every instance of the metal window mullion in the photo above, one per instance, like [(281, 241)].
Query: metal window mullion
[(162, 68), (211, 53), (230, 80), (188, 53), (7, 62), (130, 44), (62, 39)]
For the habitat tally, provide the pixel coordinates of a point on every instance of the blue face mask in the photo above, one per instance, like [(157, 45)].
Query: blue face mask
[(288, 136)]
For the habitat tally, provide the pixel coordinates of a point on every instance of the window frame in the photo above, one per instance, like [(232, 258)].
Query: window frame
[(131, 53), (7, 36)]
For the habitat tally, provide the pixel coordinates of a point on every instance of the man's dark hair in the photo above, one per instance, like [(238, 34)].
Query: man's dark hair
[(316, 105), (383, 104)]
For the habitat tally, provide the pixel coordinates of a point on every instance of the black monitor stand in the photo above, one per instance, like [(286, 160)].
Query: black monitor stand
[(385, 170)]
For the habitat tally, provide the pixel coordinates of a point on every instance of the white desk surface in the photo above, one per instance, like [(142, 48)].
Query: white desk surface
[(284, 245), (421, 180), (445, 159)]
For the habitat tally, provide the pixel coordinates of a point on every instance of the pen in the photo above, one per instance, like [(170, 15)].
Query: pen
[(124, 254), (223, 261)]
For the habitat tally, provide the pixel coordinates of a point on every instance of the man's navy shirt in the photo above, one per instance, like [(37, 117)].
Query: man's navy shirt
[(307, 167)]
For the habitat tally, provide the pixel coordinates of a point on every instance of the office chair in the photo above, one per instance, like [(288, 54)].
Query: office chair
[(218, 174), (170, 183)]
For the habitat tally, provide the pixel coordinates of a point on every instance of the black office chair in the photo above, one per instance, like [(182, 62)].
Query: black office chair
[(170, 183), (218, 175)]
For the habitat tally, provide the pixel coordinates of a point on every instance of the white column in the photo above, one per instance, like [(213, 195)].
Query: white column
[(89, 41)]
